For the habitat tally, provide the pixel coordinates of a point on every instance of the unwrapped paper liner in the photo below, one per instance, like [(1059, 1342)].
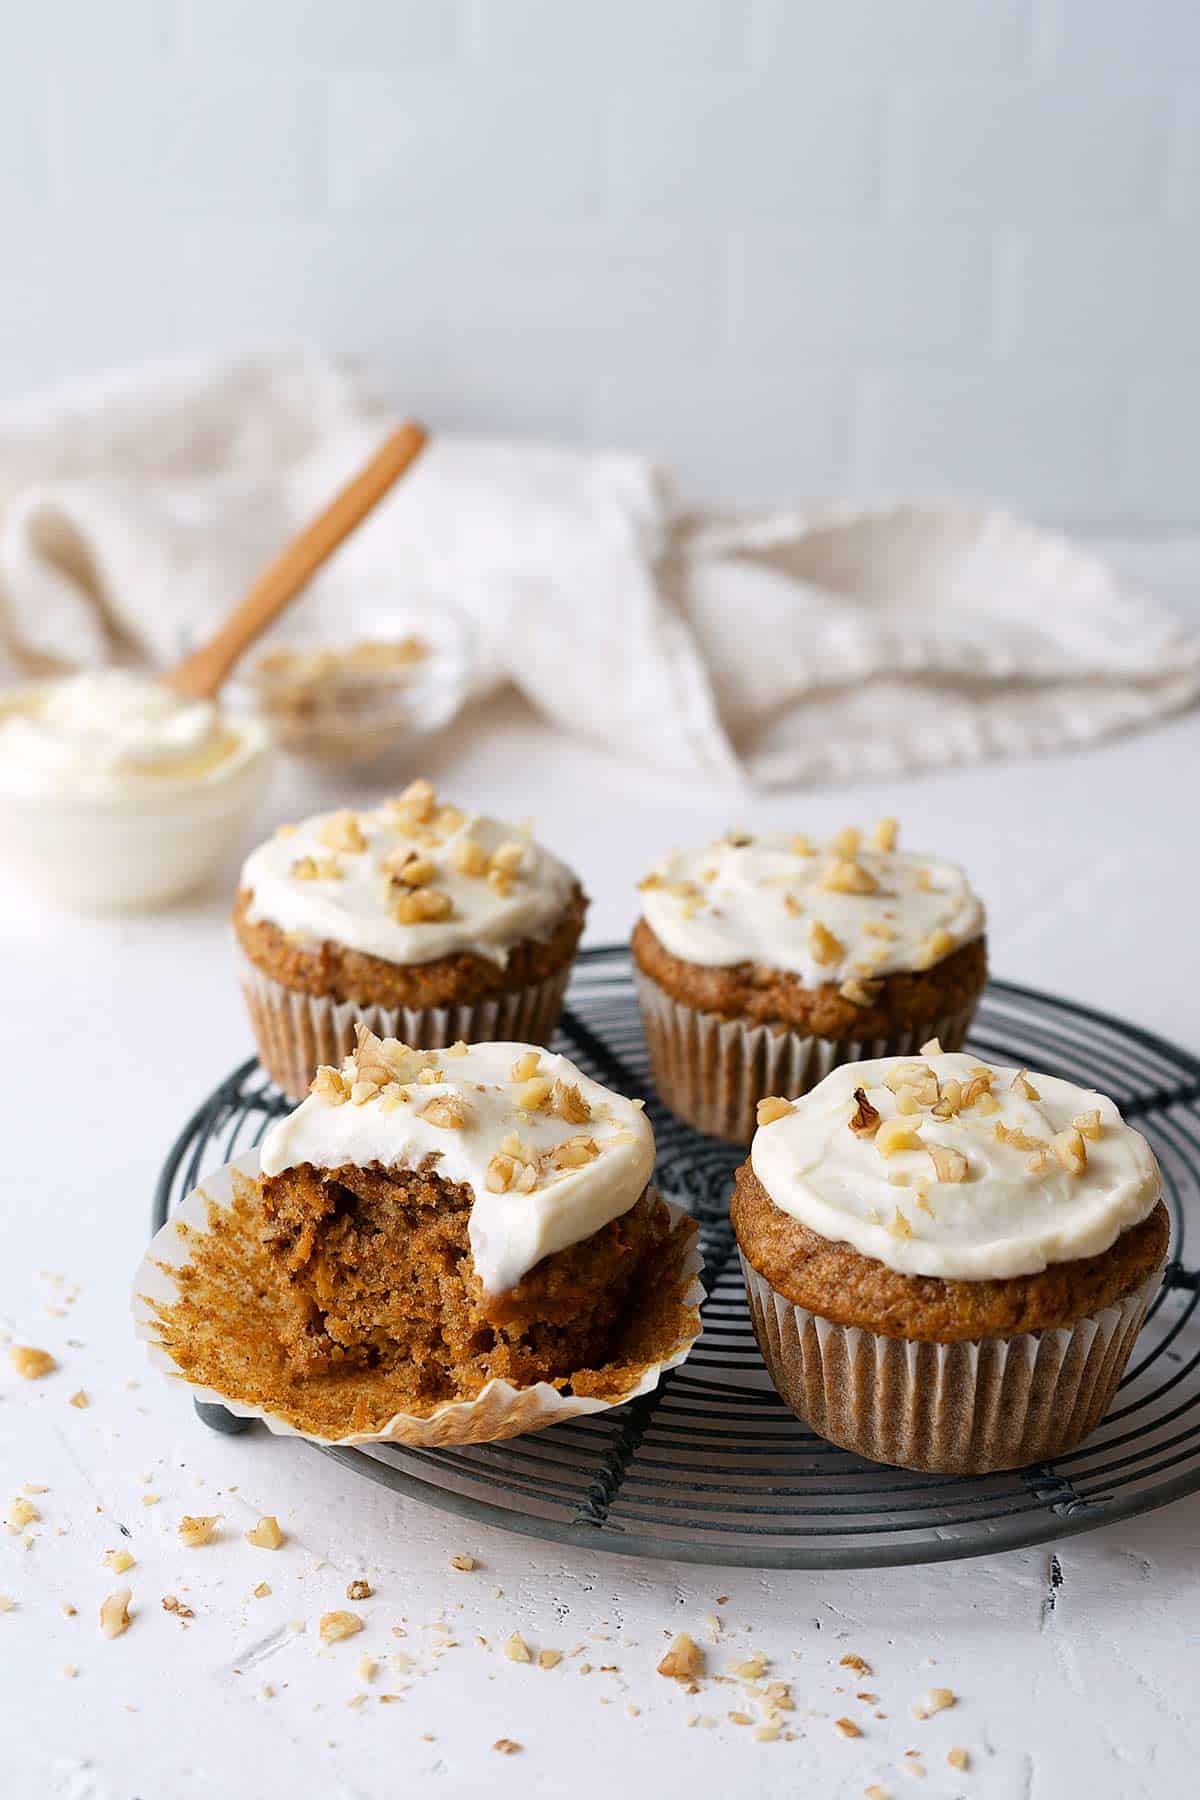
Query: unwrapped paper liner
[(712, 1072), (966, 1408), (297, 1032), (499, 1410)]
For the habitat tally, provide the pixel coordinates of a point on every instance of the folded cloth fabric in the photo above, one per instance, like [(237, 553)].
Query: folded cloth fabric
[(821, 643)]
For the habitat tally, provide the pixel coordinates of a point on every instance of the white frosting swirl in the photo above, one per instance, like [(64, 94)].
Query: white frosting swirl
[(354, 906), (509, 1231), (112, 732), (761, 900), (1006, 1217)]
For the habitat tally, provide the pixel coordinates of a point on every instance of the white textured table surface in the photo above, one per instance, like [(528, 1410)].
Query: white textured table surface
[(1075, 1671)]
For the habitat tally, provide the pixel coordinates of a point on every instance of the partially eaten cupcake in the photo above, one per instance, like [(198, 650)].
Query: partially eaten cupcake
[(443, 1247), (459, 1215)]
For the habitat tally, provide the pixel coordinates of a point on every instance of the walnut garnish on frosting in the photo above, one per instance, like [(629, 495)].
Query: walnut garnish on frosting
[(1018, 1139), (1088, 1123), (449, 1112), (569, 1104), (847, 842), (772, 1107), (865, 1119), (824, 946), (1070, 1150), (317, 868), (844, 876), (898, 1134), (937, 945), (422, 906), (1021, 1084), (886, 834), (331, 1085), (949, 1165), (803, 846), (469, 857), (342, 831), (575, 1153), (860, 992), (532, 1095), (409, 868), (526, 1067)]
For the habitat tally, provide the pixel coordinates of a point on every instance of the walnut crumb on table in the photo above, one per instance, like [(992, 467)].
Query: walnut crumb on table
[(359, 1590), (335, 1626), (266, 1535), (684, 1660), (31, 1363), (464, 1563), (114, 1613), (197, 1530), (507, 1746)]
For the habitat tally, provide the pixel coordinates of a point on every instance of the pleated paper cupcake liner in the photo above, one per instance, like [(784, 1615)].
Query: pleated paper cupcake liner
[(958, 1409), (296, 1032), (499, 1410), (712, 1072)]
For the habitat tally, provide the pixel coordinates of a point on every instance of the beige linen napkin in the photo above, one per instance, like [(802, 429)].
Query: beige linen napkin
[(823, 643)]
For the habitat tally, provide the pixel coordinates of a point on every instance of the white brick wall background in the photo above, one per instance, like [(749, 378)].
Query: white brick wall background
[(793, 248)]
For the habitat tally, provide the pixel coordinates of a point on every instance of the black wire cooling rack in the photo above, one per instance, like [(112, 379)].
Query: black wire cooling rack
[(712, 1467)]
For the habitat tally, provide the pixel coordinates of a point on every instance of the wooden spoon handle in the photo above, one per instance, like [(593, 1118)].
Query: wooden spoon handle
[(203, 673)]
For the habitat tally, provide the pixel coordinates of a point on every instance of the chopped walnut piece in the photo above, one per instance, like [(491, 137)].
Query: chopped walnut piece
[(847, 842), (463, 1562), (331, 1085), (362, 1091), (266, 1535), (335, 1626), (937, 945), (198, 1529), (526, 1066), (507, 1746), (417, 802), (879, 928), (501, 1172), (1021, 1084), (847, 1728), (576, 1153), (802, 846), (118, 1561), (1039, 1162), (450, 818), (30, 1363), (569, 1104), (516, 1649), (408, 869), (858, 992), (342, 831), (886, 834), (916, 1078), (935, 1701), (988, 1104), (950, 1099), (897, 1134), (507, 858), (1012, 1134), (844, 876), (171, 1603), (468, 857), (422, 906), (976, 1088), (549, 1659), (359, 1590), (948, 1165), (684, 1661), (907, 1102), (824, 946), (532, 1096), (316, 868), (864, 1120), (772, 1107), (500, 882), (114, 1613), (932, 1048), (900, 1227), (22, 1512), (792, 905), (449, 1112), (1070, 1150), (858, 1664), (1088, 1123), (957, 1758)]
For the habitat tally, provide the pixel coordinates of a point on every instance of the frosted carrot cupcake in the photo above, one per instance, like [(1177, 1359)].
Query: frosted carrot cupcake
[(440, 1247), (948, 1263), (418, 920), (763, 962)]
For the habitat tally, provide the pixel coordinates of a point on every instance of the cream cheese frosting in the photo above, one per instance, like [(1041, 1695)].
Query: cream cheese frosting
[(549, 1155), (112, 733), (954, 1168), (409, 881), (827, 912)]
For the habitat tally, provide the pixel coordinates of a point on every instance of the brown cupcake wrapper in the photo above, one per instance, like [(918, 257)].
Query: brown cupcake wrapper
[(959, 1409), (296, 1032), (712, 1072)]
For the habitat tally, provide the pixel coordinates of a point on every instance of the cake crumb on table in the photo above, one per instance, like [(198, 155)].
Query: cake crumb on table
[(359, 1590)]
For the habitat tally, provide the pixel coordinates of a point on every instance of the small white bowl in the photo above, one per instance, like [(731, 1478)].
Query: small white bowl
[(143, 844)]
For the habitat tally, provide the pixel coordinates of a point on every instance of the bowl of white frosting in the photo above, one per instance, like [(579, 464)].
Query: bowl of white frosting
[(117, 792)]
